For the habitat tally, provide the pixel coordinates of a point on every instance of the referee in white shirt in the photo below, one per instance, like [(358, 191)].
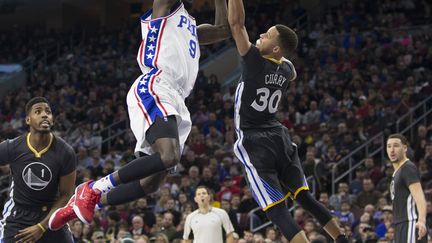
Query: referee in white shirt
[(206, 222)]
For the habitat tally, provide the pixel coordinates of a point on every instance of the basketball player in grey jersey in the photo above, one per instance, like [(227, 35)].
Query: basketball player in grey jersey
[(409, 204)]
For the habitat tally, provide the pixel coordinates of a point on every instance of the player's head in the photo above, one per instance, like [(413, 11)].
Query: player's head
[(278, 41), (39, 116), (202, 195), (397, 146)]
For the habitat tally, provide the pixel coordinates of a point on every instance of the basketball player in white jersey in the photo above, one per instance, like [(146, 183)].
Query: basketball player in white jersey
[(169, 59)]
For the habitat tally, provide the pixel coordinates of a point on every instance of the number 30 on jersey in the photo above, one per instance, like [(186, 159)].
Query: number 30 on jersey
[(267, 100)]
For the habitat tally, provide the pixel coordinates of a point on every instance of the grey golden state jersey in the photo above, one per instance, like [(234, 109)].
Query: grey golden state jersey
[(404, 207), (35, 175), (260, 89)]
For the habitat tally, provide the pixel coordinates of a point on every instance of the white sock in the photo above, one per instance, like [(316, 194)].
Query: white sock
[(105, 184)]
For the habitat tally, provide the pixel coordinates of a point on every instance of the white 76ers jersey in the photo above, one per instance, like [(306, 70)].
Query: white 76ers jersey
[(170, 46)]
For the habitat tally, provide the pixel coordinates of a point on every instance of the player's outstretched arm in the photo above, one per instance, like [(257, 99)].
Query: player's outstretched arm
[(236, 19), (209, 34)]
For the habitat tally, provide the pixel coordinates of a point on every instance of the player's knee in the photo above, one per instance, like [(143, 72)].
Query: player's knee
[(170, 159), (148, 187), (280, 216), (321, 213), (304, 197)]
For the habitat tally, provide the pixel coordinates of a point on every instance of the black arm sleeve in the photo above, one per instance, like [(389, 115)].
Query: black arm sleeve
[(410, 174), (70, 161), (4, 152), (253, 62)]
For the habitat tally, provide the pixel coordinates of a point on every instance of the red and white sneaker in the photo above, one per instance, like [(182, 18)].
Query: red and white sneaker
[(61, 216), (85, 201)]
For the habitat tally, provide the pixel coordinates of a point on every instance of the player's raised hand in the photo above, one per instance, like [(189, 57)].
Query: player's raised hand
[(29, 234), (421, 226)]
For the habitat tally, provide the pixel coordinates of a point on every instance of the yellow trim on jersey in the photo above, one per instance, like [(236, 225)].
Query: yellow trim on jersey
[(36, 153), (303, 188), (277, 202), (274, 60), (299, 190)]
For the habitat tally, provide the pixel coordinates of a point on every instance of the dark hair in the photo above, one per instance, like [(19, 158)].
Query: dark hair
[(288, 38), (33, 101), (203, 187), (401, 137)]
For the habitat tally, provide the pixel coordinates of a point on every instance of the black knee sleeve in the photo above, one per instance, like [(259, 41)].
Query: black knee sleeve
[(140, 168), (281, 217), (322, 214), (125, 193)]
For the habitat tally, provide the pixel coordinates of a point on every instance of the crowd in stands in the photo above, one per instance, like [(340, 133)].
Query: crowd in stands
[(356, 75)]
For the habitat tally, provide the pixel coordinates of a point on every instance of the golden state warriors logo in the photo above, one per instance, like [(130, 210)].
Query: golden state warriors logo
[(36, 176)]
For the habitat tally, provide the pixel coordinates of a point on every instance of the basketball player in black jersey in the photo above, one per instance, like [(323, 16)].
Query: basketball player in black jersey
[(409, 204), (263, 144), (42, 179)]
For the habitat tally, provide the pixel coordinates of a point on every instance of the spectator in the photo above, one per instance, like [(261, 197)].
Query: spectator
[(313, 115), (171, 207), (324, 199), (384, 184), (369, 195), (208, 180), (227, 189), (168, 227), (232, 214), (271, 235), (356, 185), (142, 209), (346, 217), (373, 170), (137, 226), (386, 221), (342, 194), (98, 237)]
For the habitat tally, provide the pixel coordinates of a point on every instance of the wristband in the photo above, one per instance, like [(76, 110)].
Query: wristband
[(41, 227)]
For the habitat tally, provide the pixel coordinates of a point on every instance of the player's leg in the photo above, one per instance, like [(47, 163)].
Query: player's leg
[(164, 142), (122, 193), (292, 177), (153, 118), (133, 190), (280, 216), (296, 181), (256, 152), (163, 136), (322, 214), (402, 233)]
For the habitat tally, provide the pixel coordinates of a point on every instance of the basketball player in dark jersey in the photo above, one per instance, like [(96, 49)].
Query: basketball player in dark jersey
[(409, 204), (42, 179), (263, 145)]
